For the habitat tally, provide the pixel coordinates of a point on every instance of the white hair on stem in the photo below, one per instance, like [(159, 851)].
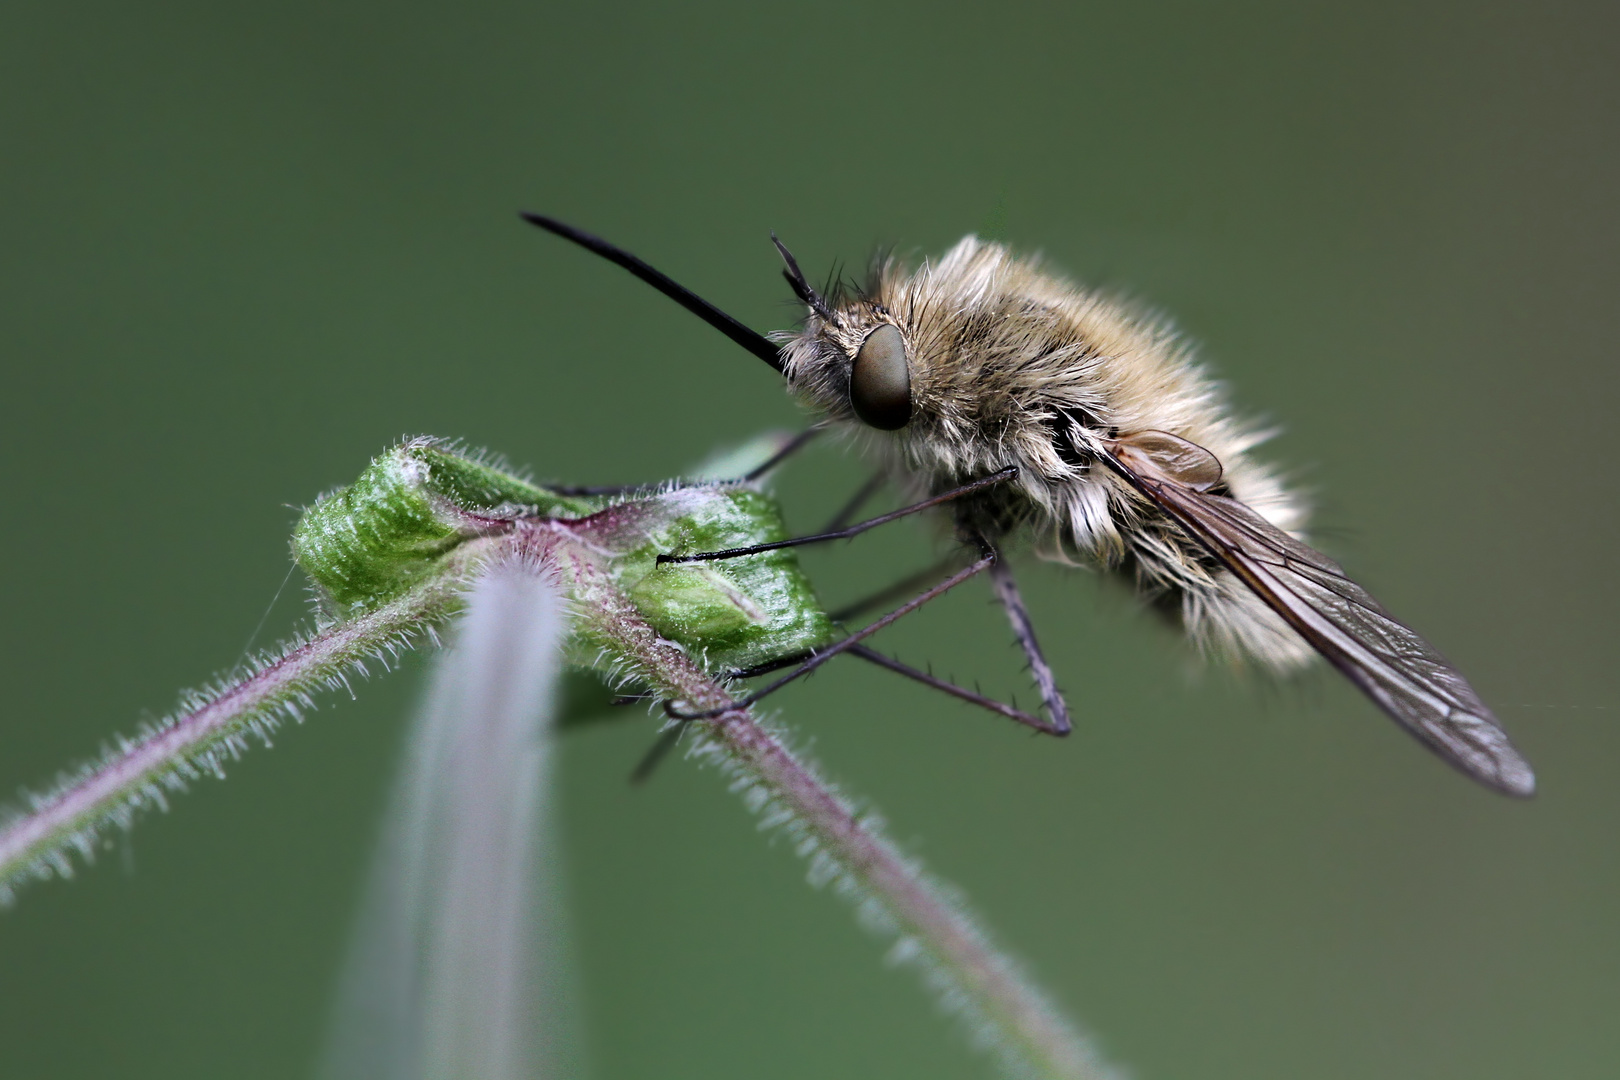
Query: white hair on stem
[(458, 959)]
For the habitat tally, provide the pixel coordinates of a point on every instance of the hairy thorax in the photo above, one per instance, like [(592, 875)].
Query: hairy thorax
[(1011, 366)]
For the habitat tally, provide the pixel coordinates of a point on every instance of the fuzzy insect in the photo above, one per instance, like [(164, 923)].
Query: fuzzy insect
[(1038, 410)]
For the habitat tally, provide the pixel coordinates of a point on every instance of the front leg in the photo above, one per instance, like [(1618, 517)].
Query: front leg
[(970, 488)]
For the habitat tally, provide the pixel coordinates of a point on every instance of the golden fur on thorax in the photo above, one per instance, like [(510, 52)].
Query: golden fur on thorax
[(1011, 366)]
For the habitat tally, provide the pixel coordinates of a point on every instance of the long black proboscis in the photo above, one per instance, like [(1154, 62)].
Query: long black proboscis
[(752, 340)]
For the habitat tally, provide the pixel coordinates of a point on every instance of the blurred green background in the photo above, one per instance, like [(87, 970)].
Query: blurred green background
[(243, 248)]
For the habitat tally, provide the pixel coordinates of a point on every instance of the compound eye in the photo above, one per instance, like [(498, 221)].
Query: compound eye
[(880, 381)]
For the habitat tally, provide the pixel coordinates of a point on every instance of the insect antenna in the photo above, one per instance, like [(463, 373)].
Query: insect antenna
[(801, 288), (752, 340)]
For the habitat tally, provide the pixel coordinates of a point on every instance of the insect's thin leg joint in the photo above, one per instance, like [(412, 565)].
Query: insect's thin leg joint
[(1017, 614)]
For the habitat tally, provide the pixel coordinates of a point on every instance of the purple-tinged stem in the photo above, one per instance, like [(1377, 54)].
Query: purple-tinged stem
[(1002, 1006), (1005, 1010), (110, 792)]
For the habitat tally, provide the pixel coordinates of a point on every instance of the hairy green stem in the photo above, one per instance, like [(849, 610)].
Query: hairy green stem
[(395, 553), (1003, 1006), (216, 726)]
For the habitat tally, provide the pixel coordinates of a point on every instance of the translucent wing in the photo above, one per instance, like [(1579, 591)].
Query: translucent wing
[(1401, 672)]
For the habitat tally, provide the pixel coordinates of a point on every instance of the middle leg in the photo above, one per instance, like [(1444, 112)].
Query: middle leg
[(986, 559)]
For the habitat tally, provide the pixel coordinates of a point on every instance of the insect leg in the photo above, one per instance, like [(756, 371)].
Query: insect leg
[(793, 446), (868, 489), (656, 753), (853, 530), (904, 587), (821, 656), (668, 738), (671, 735), (1007, 592), (604, 489), (771, 665), (1058, 726)]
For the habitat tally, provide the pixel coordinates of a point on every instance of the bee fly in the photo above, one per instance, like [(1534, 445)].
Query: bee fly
[(1038, 410)]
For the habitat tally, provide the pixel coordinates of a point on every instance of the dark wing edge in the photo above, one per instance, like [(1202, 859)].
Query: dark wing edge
[(1402, 673)]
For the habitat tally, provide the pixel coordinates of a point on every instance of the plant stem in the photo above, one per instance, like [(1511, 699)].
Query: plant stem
[(1006, 1009), (217, 726)]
